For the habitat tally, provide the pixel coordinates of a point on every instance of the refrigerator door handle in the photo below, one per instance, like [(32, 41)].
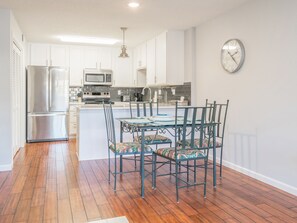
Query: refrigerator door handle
[(50, 91), (47, 114)]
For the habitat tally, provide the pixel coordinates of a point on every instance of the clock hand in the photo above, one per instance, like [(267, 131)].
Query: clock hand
[(232, 57), (234, 53)]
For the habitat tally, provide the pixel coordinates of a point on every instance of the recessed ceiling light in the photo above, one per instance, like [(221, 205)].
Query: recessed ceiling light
[(133, 4), (90, 40)]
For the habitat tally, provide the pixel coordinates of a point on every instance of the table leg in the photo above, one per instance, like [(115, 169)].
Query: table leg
[(121, 140), (142, 163), (214, 158)]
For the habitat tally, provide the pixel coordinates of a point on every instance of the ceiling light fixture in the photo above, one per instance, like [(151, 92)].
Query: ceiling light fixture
[(124, 53), (133, 4), (89, 40)]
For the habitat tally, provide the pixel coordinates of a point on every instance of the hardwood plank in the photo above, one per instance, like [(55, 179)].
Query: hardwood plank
[(276, 213), (6, 218), (77, 206), (11, 204), (22, 211), (50, 206), (36, 214), (38, 197), (64, 216)]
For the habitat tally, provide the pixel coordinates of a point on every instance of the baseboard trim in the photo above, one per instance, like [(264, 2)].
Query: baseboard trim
[(6, 167), (272, 182)]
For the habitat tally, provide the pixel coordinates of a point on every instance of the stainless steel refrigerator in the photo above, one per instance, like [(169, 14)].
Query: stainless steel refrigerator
[(47, 103)]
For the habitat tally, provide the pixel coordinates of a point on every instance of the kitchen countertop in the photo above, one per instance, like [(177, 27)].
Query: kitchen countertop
[(116, 105)]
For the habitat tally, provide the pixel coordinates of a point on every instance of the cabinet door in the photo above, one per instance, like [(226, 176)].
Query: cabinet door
[(151, 62), (91, 57), (39, 54), (76, 65), (161, 61), (123, 74), (105, 58), (143, 58), (59, 55)]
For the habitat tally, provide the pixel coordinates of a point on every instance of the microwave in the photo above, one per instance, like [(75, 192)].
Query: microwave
[(97, 77)]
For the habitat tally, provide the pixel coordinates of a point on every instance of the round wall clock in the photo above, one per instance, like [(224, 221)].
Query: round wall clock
[(232, 55)]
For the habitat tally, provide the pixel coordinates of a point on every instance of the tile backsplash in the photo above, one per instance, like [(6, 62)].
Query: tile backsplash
[(165, 93)]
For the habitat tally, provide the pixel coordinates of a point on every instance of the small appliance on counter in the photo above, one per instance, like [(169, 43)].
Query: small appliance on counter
[(125, 98), (138, 97)]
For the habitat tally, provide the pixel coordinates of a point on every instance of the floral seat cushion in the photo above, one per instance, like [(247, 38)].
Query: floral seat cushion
[(204, 144), (153, 139), (181, 153), (129, 147)]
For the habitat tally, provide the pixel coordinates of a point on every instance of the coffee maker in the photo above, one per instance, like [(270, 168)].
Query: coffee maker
[(138, 97)]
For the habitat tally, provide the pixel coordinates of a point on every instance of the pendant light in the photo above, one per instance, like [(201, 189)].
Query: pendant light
[(124, 53)]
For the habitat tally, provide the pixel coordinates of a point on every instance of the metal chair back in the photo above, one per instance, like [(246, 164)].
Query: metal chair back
[(219, 116), (109, 121), (194, 126), (143, 109)]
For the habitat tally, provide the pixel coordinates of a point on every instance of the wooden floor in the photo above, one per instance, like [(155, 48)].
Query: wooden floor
[(48, 184)]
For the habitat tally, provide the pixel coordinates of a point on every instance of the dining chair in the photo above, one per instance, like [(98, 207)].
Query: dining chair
[(220, 117), (217, 113), (119, 149), (146, 109), (192, 124)]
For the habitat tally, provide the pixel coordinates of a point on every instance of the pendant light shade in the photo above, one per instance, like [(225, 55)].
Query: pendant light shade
[(124, 53)]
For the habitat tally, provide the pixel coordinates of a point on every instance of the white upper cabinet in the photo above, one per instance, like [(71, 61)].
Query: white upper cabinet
[(39, 54), (91, 57), (105, 58), (48, 55), (151, 62), (59, 55), (163, 59), (122, 71), (168, 66), (141, 56), (76, 65)]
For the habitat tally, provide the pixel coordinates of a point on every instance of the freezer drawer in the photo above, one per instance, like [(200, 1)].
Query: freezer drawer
[(47, 127)]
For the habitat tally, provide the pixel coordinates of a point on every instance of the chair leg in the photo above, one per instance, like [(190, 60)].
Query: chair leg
[(155, 170), (195, 171), (221, 162), (187, 173), (205, 176), (135, 165), (108, 166), (121, 163), (176, 179), (115, 173), (170, 168)]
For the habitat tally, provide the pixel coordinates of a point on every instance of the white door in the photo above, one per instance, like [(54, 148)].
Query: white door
[(39, 54), (161, 61), (59, 56), (123, 72), (16, 98), (76, 65), (105, 58), (91, 57), (151, 62)]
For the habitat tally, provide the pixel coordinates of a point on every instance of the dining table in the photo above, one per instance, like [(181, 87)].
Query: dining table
[(160, 124)]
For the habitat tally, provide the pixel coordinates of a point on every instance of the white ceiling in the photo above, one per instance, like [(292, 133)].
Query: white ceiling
[(44, 20)]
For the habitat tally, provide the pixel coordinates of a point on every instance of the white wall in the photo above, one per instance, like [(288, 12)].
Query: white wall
[(5, 94), (190, 60), (262, 122)]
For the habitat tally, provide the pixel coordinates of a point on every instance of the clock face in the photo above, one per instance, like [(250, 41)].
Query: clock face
[(232, 55)]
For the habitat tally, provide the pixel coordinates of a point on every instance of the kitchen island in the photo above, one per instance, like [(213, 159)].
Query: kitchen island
[(91, 139)]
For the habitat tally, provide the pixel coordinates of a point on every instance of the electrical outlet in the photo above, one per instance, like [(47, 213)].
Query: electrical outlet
[(119, 92), (173, 91), (159, 91)]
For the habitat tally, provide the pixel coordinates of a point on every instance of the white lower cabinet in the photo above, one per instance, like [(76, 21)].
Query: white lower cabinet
[(73, 119)]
